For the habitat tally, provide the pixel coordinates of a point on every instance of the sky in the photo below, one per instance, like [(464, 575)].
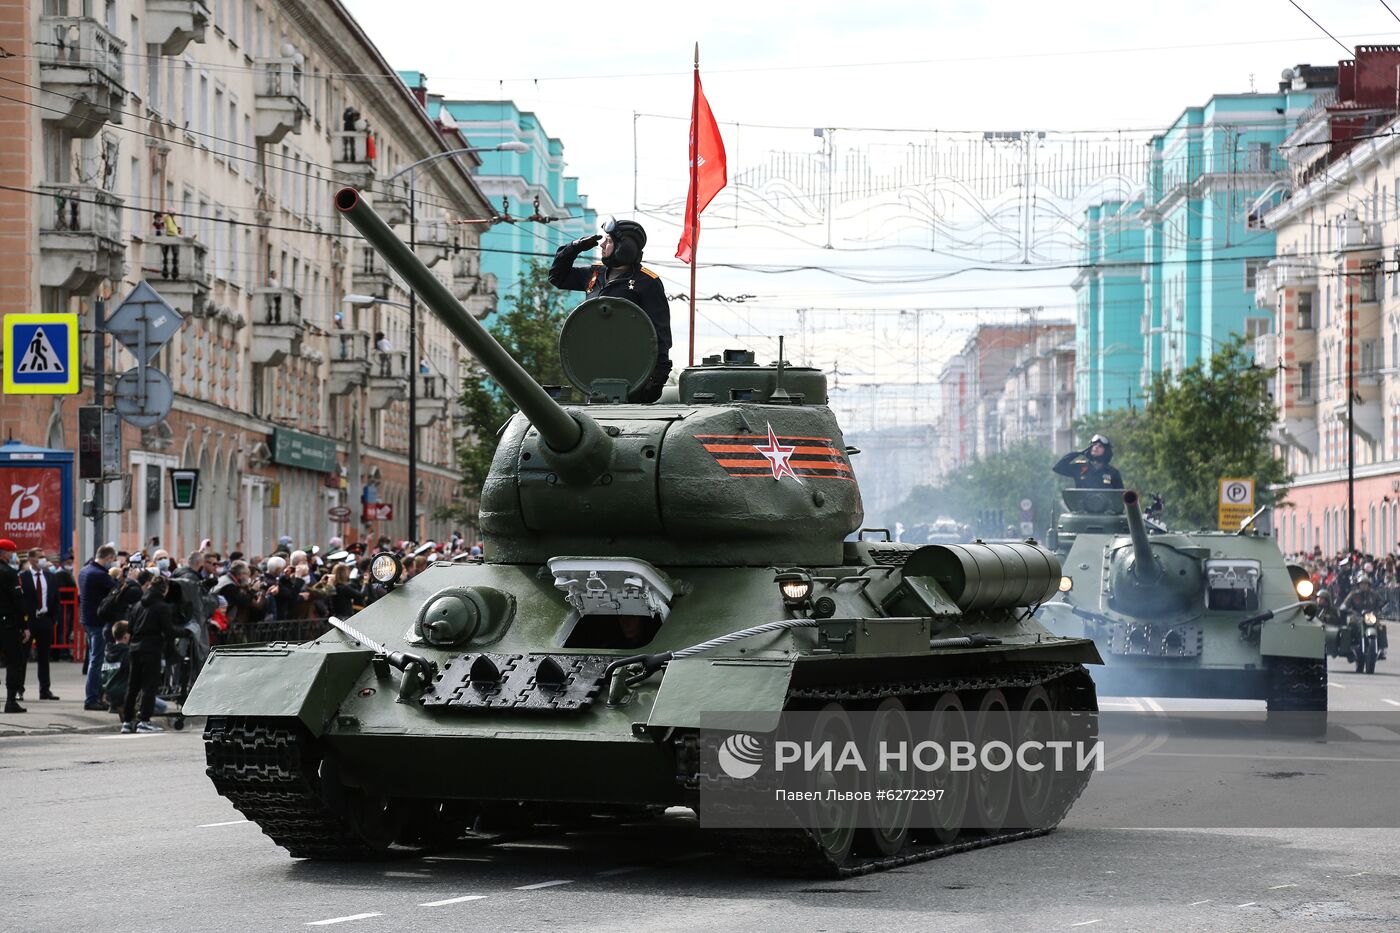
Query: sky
[(612, 81)]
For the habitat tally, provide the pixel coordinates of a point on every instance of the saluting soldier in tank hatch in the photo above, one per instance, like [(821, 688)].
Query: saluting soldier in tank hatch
[(1089, 467), (621, 275)]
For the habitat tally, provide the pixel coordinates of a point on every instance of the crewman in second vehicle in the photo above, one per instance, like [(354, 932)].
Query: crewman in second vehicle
[(1089, 467), (621, 275)]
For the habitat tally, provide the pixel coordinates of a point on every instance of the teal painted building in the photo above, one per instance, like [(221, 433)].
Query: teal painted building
[(1197, 255), (524, 185), (1111, 297)]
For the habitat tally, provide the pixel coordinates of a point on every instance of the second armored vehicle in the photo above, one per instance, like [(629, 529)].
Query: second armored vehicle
[(1204, 614)]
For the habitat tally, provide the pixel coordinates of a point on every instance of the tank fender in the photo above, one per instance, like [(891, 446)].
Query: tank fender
[(267, 680), (722, 693), (1297, 637)]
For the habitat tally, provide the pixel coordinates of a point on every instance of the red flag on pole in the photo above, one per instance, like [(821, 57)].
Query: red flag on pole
[(707, 169)]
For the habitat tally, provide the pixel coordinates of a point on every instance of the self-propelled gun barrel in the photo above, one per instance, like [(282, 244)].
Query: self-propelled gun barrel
[(577, 442), (1145, 566)]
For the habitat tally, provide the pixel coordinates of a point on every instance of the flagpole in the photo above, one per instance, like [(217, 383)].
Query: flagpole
[(694, 193)]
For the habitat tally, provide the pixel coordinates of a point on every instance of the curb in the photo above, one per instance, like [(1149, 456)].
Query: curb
[(57, 729)]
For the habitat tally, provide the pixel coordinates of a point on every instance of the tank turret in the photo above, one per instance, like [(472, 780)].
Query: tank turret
[(1146, 578), (748, 467)]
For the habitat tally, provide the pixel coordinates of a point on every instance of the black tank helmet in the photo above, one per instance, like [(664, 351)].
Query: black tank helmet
[(629, 238), (1107, 446)]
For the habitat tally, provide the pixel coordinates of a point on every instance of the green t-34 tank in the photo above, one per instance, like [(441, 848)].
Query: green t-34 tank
[(1175, 614), (651, 571)]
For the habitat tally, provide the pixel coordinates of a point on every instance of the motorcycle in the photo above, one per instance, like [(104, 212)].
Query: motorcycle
[(1365, 643)]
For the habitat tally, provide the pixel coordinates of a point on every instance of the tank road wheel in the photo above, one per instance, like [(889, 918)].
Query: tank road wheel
[(832, 822), (991, 790), (1035, 790), (889, 817), (376, 820), (948, 789)]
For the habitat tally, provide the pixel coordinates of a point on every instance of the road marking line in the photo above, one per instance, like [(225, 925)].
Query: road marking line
[(1382, 761), (1390, 701), (326, 923), (1085, 923), (1359, 874), (618, 871), (1247, 904), (1154, 705), (228, 823), (454, 900), (1277, 886), (1198, 903), (542, 884), (1337, 685)]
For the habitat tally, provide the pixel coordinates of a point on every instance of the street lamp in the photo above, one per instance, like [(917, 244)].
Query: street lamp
[(411, 171)]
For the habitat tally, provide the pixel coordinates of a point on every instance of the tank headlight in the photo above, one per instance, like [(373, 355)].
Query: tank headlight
[(796, 588), (385, 568), (1066, 584), (1305, 588)]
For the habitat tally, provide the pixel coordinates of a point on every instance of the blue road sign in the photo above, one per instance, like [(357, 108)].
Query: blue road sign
[(41, 354)]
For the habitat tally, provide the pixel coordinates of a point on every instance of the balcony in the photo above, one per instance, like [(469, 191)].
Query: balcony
[(1266, 288), (435, 234), (388, 378), (80, 237), (80, 74), (350, 361), (277, 324), (1353, 234), (432, 399), (1266, 351), (352, 160), (175, 266), (174, 24), (371, 276), (461, 425), (480, 299), (392, 205), (280, 107)]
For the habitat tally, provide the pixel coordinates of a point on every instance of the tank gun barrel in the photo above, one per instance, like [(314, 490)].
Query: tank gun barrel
[(1145, 566), (561, 431)]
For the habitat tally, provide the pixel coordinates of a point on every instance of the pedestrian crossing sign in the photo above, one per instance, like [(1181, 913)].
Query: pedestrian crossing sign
[(41, 354)]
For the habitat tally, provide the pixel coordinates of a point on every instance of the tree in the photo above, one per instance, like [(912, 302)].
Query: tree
[(1210, 422), (529, 331), (991, 486)]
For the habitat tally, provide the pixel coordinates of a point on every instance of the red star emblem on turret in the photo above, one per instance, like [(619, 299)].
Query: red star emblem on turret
[(777, 456)]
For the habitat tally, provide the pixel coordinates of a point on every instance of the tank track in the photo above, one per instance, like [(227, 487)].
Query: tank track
[(795, 852), (268, 769), (1297, 685)]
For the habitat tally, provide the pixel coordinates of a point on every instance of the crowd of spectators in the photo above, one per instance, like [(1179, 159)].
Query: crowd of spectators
[(1339, 573), (136, 608)]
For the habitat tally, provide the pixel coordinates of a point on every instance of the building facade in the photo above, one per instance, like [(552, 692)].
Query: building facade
[(972, 411), (542, 207), (1037, 402), (1110, 291), (1158, 295), (1334, 295), (239, 119)]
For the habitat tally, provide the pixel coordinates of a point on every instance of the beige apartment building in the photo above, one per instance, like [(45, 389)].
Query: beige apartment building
[(1335, 293), (232, 116)]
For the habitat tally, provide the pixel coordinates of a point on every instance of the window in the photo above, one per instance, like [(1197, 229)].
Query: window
[(220, 138), (1369, 361), (231, 244), (1251, 272), (153, 77), (1257, 326), (202, 127), (247, 32), (1260, 157), (189, 95), (138, 222), (235, 149), (1368, 276), (1305, 310), (1305, 382)]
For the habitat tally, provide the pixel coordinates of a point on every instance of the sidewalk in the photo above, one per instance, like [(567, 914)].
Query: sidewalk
[(55, 717)]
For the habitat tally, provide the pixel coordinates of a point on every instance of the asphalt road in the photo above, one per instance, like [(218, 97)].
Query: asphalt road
[(125, 833)]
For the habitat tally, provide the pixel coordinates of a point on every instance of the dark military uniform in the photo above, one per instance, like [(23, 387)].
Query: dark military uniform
[(637, 284), (1089, 473), (14, 621), (1359, 602)]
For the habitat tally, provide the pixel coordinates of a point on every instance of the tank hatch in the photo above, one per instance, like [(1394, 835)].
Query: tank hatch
[(733, 376)]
